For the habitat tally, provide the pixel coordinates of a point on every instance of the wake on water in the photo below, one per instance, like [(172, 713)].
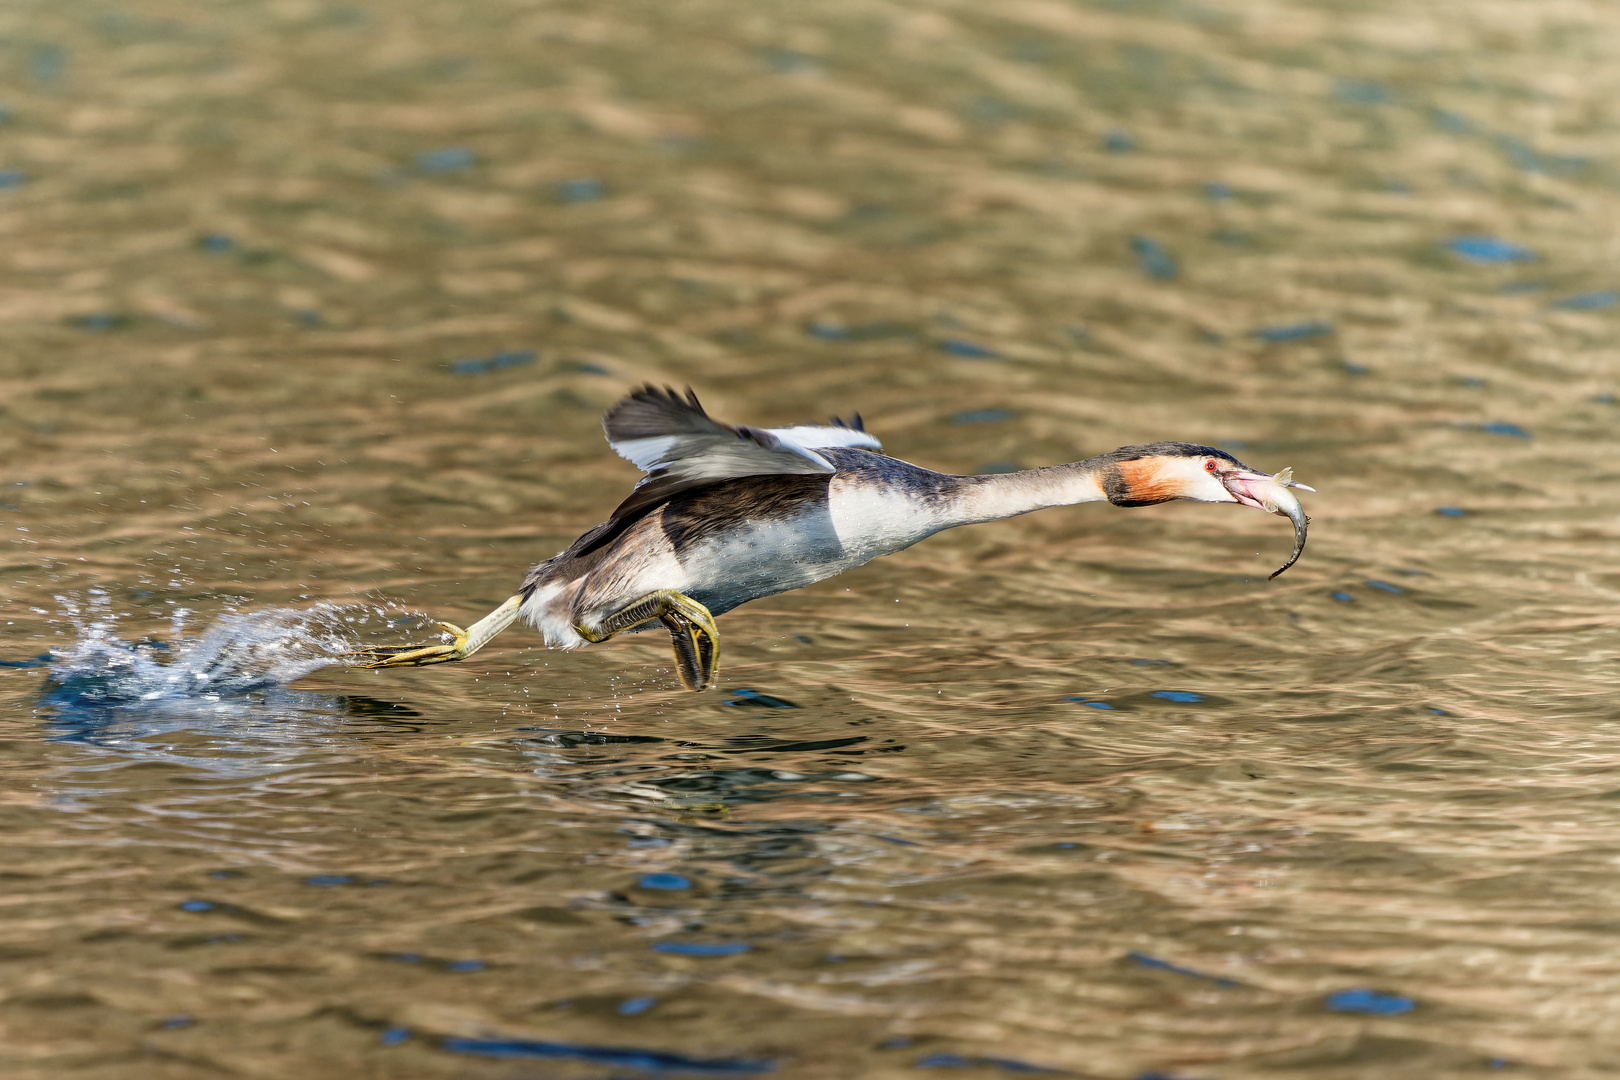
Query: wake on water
[(237, 653)]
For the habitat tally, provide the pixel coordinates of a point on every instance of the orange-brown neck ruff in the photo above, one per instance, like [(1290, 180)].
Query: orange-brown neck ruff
[(1141, 482)]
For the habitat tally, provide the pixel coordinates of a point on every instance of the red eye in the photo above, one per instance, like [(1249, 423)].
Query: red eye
[(1210, 466)]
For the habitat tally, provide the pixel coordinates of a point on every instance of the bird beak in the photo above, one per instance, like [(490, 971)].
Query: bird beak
[(1271, 494)]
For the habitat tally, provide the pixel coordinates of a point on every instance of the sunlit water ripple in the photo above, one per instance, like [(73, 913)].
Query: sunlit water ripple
[(310, 312)]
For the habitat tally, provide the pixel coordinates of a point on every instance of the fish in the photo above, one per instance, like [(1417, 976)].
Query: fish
[(1275, 498)]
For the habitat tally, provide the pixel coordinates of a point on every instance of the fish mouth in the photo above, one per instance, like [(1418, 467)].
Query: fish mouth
[(1270, 493)]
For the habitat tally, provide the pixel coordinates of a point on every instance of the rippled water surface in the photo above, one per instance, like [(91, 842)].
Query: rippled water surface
[(308, 312)]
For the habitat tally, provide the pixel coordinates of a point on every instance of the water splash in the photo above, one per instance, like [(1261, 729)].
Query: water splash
[(237, 653)]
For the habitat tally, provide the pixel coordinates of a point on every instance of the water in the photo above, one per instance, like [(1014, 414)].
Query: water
[(239, 652), (310, 312)]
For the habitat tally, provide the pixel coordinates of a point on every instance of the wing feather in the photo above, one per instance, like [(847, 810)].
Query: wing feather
[(816, 437), (661, 432), (680, 447)]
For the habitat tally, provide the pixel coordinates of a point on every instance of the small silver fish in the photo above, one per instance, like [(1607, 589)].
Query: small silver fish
[(1277, 499)]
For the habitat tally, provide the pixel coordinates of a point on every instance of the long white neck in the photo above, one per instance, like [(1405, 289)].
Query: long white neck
[(1005, 495)]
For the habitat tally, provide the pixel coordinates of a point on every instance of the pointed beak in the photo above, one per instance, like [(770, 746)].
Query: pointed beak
[(1271, 494)]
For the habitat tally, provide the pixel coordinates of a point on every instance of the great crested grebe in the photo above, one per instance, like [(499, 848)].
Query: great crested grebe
[(728, 514)]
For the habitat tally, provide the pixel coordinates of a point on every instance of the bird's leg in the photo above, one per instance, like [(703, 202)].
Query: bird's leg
[(466, 642), (691, 630)]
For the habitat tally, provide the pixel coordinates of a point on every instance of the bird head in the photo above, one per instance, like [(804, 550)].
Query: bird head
[(1160, 472)]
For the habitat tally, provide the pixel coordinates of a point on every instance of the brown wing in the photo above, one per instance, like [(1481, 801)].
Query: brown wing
[(680, 447)]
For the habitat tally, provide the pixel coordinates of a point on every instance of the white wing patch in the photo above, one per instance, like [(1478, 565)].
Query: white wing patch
[(645, 454), (669, 437), (727, 452), (819, 437)]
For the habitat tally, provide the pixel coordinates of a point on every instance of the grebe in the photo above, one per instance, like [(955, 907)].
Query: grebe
[(725, 515)]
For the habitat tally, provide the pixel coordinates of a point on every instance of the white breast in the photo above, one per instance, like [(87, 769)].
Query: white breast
[(871, 520), (762, 559)]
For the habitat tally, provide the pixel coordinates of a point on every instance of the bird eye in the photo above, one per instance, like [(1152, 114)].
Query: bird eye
[(1209, 465)]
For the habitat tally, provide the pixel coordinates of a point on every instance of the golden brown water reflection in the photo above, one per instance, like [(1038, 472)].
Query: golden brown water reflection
[(308, 301)]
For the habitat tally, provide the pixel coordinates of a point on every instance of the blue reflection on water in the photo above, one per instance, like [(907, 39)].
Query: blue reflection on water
[(828, 331), (1362, 1000), (46, 63), (742, 696), (982, 416), (1272, 335), (1532, 160), (450, 159), (969, 349), (481, 365), (1153, 258), (1502, 427), (584, 189), (1456, 123), (673, 882), (1488, 249), (1362, 92), (653, 1061), (1149, 961), (1591, 301), (961, 1061), (699, 948)]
